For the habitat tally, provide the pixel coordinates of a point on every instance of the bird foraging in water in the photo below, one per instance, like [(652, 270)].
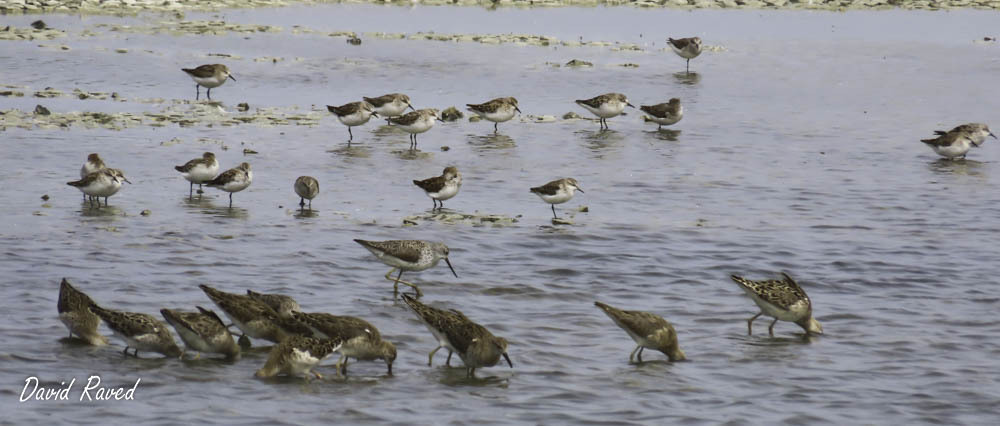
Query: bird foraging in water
[(307, 187), (557, 192), (648, 330), (443, 187), (233, 180), (209, 76), (199, 171), (605, 106), (957, 142), (664, 114), (407, 255), (391, 105), (497, 110), (687, 48), (353, 114), (780, 299)]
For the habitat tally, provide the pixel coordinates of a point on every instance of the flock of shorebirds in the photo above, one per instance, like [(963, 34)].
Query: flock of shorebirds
[(303, 339)]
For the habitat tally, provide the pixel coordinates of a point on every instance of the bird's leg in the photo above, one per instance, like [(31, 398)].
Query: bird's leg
[(750, 324), (447, 362), (351, 135), (631, 356), (310, 204), (197, 91), (639, 355), (105, 202), (191, 190), (771, 328), (302, 202), (209, 93), (230, 200), (471, 373), (125, 352), (554, 211), (687, 67), (431, 356), (339, 364), (495, 129)]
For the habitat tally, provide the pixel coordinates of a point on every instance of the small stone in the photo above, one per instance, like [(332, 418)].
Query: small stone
[(354, 41), (248, 151), (40, 110), (545, 119), (561, 221), (579, 63), (407, 222), (475, 118), (445, 148), (629, 65), (39, 25), (583, 209), (121, 50), (451, 114), (244, 342), (45, 197), (571, 116), (243, 107), (145, 212)]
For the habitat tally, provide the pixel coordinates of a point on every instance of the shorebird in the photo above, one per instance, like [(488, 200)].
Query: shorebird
[(780, 299), (361, 340), (407, 255), (253, 318), (233, 180), (283, 305), (557, 192), (664, 114), (353, 114), (199, 170), (139, 331), (307, 188), (687, 48), (497, 110), (605, 106), (93, 164), (453, 330), (648, 330), (443, 187), (74, 312), (210, 76), (297, 356), (202, 331), (415, 122), (958, 141), (391, 105), (102, 183)]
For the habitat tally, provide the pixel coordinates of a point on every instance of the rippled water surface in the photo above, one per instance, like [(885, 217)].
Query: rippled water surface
[(798, 152)]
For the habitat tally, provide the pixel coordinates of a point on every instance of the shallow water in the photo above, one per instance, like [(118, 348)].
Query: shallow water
[(798, 152)]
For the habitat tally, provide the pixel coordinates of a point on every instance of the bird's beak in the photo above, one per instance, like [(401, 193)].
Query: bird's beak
[(411, 107), (449, 267), (126, 181), (580, 189), (519, 110), (508, 360), (231, 76), (994, 136), (375, 114), (626, 103)]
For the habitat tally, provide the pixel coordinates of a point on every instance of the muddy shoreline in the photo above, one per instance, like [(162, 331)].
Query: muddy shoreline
[(118, 7)]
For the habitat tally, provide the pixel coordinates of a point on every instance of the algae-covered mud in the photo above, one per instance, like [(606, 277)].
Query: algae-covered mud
[(798, 152)]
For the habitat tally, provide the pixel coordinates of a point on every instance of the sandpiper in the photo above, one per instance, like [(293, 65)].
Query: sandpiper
[(74, 311), (94, 163), (443, 187), (416, 122), (254, 318), (353, 114), (687, 48), (497, 110), (472, 342), (283, 305), (957, 142), (664, 114), (199, 170), (780, 299), (648, 330), (297, 356), (307, 188), (102, 183), (605, 106), (361, 340), (210, 76), (557, 192), (391, 105), (233, 180), (202, 331), (407, 255), (139, 331)]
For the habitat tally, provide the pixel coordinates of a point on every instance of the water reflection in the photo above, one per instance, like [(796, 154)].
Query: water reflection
[(206, 206), (665, 134), (689, 79), (306, 213), (353, 150), (492, 141), (600, 140), (458, 376), (88, 210), (412, 154), (957, 167)]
